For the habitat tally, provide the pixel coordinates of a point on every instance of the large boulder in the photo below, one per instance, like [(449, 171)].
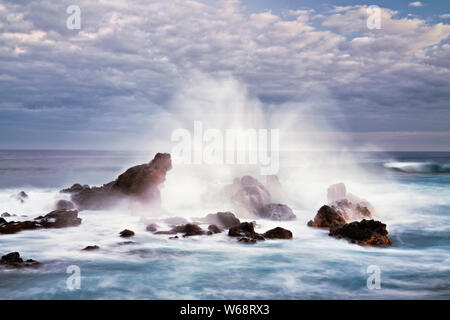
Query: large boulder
[(54, 219), (13, 260), (278, 233), (138, 183), (350, 206), (248, 194), (222, 219), (327, 217), (60, 219), (188, 229), (276, 211), (364, 233), (245, 230), (2, 221)]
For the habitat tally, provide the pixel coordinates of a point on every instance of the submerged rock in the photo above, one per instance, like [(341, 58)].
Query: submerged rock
[(139, 183), (91, 248), (126, 233), (54, 219), (247, 240), (365, 233), (13, 260), (278, 233), (276, 211), (223, 219), (327, 217), (21, 196)]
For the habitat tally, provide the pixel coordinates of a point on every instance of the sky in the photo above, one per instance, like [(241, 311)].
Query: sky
[(102, 86)]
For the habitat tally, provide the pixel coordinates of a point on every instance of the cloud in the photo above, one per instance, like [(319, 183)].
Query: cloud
[(415, 4), (445, 16), (127, 62)]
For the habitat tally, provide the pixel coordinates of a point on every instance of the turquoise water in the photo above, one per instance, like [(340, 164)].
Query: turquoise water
[(414, 203)]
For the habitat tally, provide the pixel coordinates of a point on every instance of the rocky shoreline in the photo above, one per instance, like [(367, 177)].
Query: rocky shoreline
[(346, 216)]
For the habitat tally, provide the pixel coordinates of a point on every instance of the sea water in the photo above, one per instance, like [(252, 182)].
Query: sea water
[(410, 192)]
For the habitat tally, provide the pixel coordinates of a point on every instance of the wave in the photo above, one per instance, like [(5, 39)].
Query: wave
[(418, 167)]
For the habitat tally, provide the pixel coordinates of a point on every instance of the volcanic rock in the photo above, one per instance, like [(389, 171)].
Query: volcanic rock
[(59, 219), (13, 260), (5, 215), (278, 233), (189, 230), (214, 229), (126, 233), (91, 248), (278, 212), (364, 233), (327, 217), (245, 230), (138, 183), (223, 219), (350, 206), (2, 221)]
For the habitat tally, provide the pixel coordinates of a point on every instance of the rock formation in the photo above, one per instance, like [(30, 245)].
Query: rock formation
[(365, 233), (139, 183)]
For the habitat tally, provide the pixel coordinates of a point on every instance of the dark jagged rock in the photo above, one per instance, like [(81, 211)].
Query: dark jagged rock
[(278, 212), (13, 260), (153, 227), (214, 229), (126, 233), (13, 227), (223, 219), (365, 233), (189, 230), (23, 195), (350, 206), (327, 217), (245, 230), (64, 205), (5, 215), (2, 221), (139, 183), (91, 248), (54, 219), (176, 237), (278, 233), (60, 219)]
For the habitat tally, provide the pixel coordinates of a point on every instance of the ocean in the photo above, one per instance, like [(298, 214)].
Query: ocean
[(410, 191)]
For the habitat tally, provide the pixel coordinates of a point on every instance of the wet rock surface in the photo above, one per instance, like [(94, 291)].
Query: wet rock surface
[(327, 217), (54, 219), (223, 219), (245, 230), (277, 212), (126, 233), (214, 229), (139, 183), (153, 227), (278, 233), (91, 248), (365, 233), (13, 260)]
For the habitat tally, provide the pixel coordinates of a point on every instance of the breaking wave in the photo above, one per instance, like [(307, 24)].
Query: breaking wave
[(418, 167)]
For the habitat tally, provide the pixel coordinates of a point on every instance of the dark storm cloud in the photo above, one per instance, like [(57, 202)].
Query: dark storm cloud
[(128, 58)]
